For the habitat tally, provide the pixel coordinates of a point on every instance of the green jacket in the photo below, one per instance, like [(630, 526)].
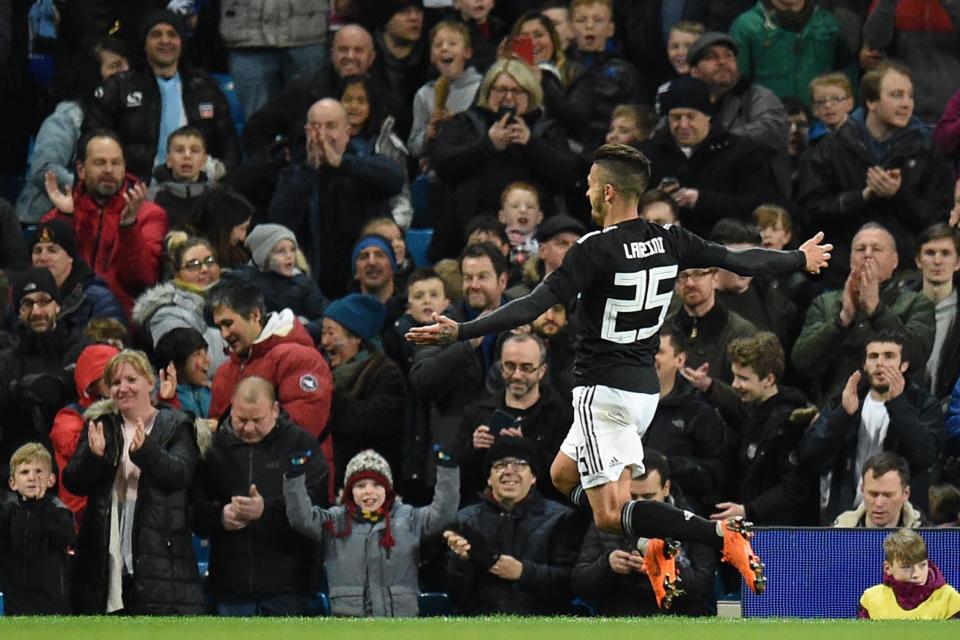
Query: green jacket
[(828, 353), (786, 61)]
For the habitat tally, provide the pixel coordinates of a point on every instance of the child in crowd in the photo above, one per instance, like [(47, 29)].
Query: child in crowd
[(426, 295), (659, 207), (520, 213), (279, 271), (181, 179), (485, 31), (913, 587), (831, 95), (597, 76), (454, 91), (775, 225), (68, 423), (36, 533), (681, 38), (559, 14), (631, 123), (186, 349), (371, 540)]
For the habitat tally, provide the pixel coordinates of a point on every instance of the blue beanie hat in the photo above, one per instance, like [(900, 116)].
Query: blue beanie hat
[(373, 240), (360, 314)]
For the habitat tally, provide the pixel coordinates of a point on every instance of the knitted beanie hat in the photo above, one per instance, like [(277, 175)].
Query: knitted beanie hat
[(368, 465), (369, 461), (263, 238), (358, 313), (56, 232)]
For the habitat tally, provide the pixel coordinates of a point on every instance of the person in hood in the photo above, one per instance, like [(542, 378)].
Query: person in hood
[(278, 348), (68, 423), (84, 295)]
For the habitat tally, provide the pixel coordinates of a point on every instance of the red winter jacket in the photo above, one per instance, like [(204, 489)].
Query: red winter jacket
[(127, 258), (284, 354)]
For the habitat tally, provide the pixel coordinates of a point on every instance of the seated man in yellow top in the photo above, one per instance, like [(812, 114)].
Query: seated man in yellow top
[(913, 587)]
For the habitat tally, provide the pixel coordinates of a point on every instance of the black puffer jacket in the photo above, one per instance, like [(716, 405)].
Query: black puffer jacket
[(769, 478), (267, 556), (689, 432), (474, 173), (541, 534), (129, 103), (833, 175), (166, 580), (731, 173)]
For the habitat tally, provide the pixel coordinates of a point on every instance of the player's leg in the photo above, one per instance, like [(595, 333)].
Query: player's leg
[(564, 473)]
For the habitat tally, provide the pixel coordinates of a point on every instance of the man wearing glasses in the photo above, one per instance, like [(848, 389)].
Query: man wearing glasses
[(512, 552), (524, 408), (35, 381)]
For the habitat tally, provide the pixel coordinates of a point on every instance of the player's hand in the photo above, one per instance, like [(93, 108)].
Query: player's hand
[(818, 255), (699, 377), (444, 330), (61, 199), (507, 568), (728, 510), (482, 438), (95, 439), (457, 544), (850, 399)]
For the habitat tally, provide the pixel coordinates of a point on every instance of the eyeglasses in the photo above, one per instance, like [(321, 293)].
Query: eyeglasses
[(693, 274), (515, 92), (515, 463), (195, 265), (509, 368), (27, 304), (832, 100)]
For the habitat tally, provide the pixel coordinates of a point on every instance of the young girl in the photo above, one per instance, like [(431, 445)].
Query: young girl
[(279, 271), (371, 540)]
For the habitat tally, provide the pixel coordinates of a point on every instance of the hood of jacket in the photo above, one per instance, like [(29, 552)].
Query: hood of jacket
[(282, 327), (183, 308)]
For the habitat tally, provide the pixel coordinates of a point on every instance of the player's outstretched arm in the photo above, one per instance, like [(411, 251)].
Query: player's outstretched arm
[(513, 314), (811, 257)]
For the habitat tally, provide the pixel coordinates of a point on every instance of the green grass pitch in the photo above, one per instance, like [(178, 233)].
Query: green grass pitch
[(496, 628)]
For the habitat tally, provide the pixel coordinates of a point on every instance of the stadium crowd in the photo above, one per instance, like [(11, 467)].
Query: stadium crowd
[(206, 284)]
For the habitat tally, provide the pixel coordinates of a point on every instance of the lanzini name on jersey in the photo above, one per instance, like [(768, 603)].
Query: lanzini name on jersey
[(634, 250)]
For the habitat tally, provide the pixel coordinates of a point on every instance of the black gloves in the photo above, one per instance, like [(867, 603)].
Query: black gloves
[(444, 457), (297, 463), (481, 551)]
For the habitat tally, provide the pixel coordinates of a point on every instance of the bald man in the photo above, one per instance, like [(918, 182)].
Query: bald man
[(326, 199), (258, 564), (351, 53), (839, 322)]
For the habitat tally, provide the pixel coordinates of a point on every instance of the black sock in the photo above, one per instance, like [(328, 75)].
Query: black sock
[(652, 519)]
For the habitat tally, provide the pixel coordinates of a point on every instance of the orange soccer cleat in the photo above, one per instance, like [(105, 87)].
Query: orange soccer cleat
[(738, 552), (659, 561)]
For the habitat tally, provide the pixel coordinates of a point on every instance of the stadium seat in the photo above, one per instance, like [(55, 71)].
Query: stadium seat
[(417, 242), (225, 80), (1, 603), (434, 604), (583, 608)]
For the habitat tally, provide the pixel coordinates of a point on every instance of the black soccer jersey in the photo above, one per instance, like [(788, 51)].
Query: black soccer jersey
[(625, 276)]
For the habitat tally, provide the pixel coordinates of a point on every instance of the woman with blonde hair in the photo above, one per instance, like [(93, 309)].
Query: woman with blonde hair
[(503, 138), (134, 463)]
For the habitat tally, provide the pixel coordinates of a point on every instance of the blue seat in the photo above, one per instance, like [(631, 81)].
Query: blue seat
[(434, 604), (229, 88), (417, 242)]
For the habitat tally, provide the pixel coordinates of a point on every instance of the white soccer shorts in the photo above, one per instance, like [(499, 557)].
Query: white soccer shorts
[(605, 436)]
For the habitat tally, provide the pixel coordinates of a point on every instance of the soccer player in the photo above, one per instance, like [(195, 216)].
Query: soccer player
[(625, 277)]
